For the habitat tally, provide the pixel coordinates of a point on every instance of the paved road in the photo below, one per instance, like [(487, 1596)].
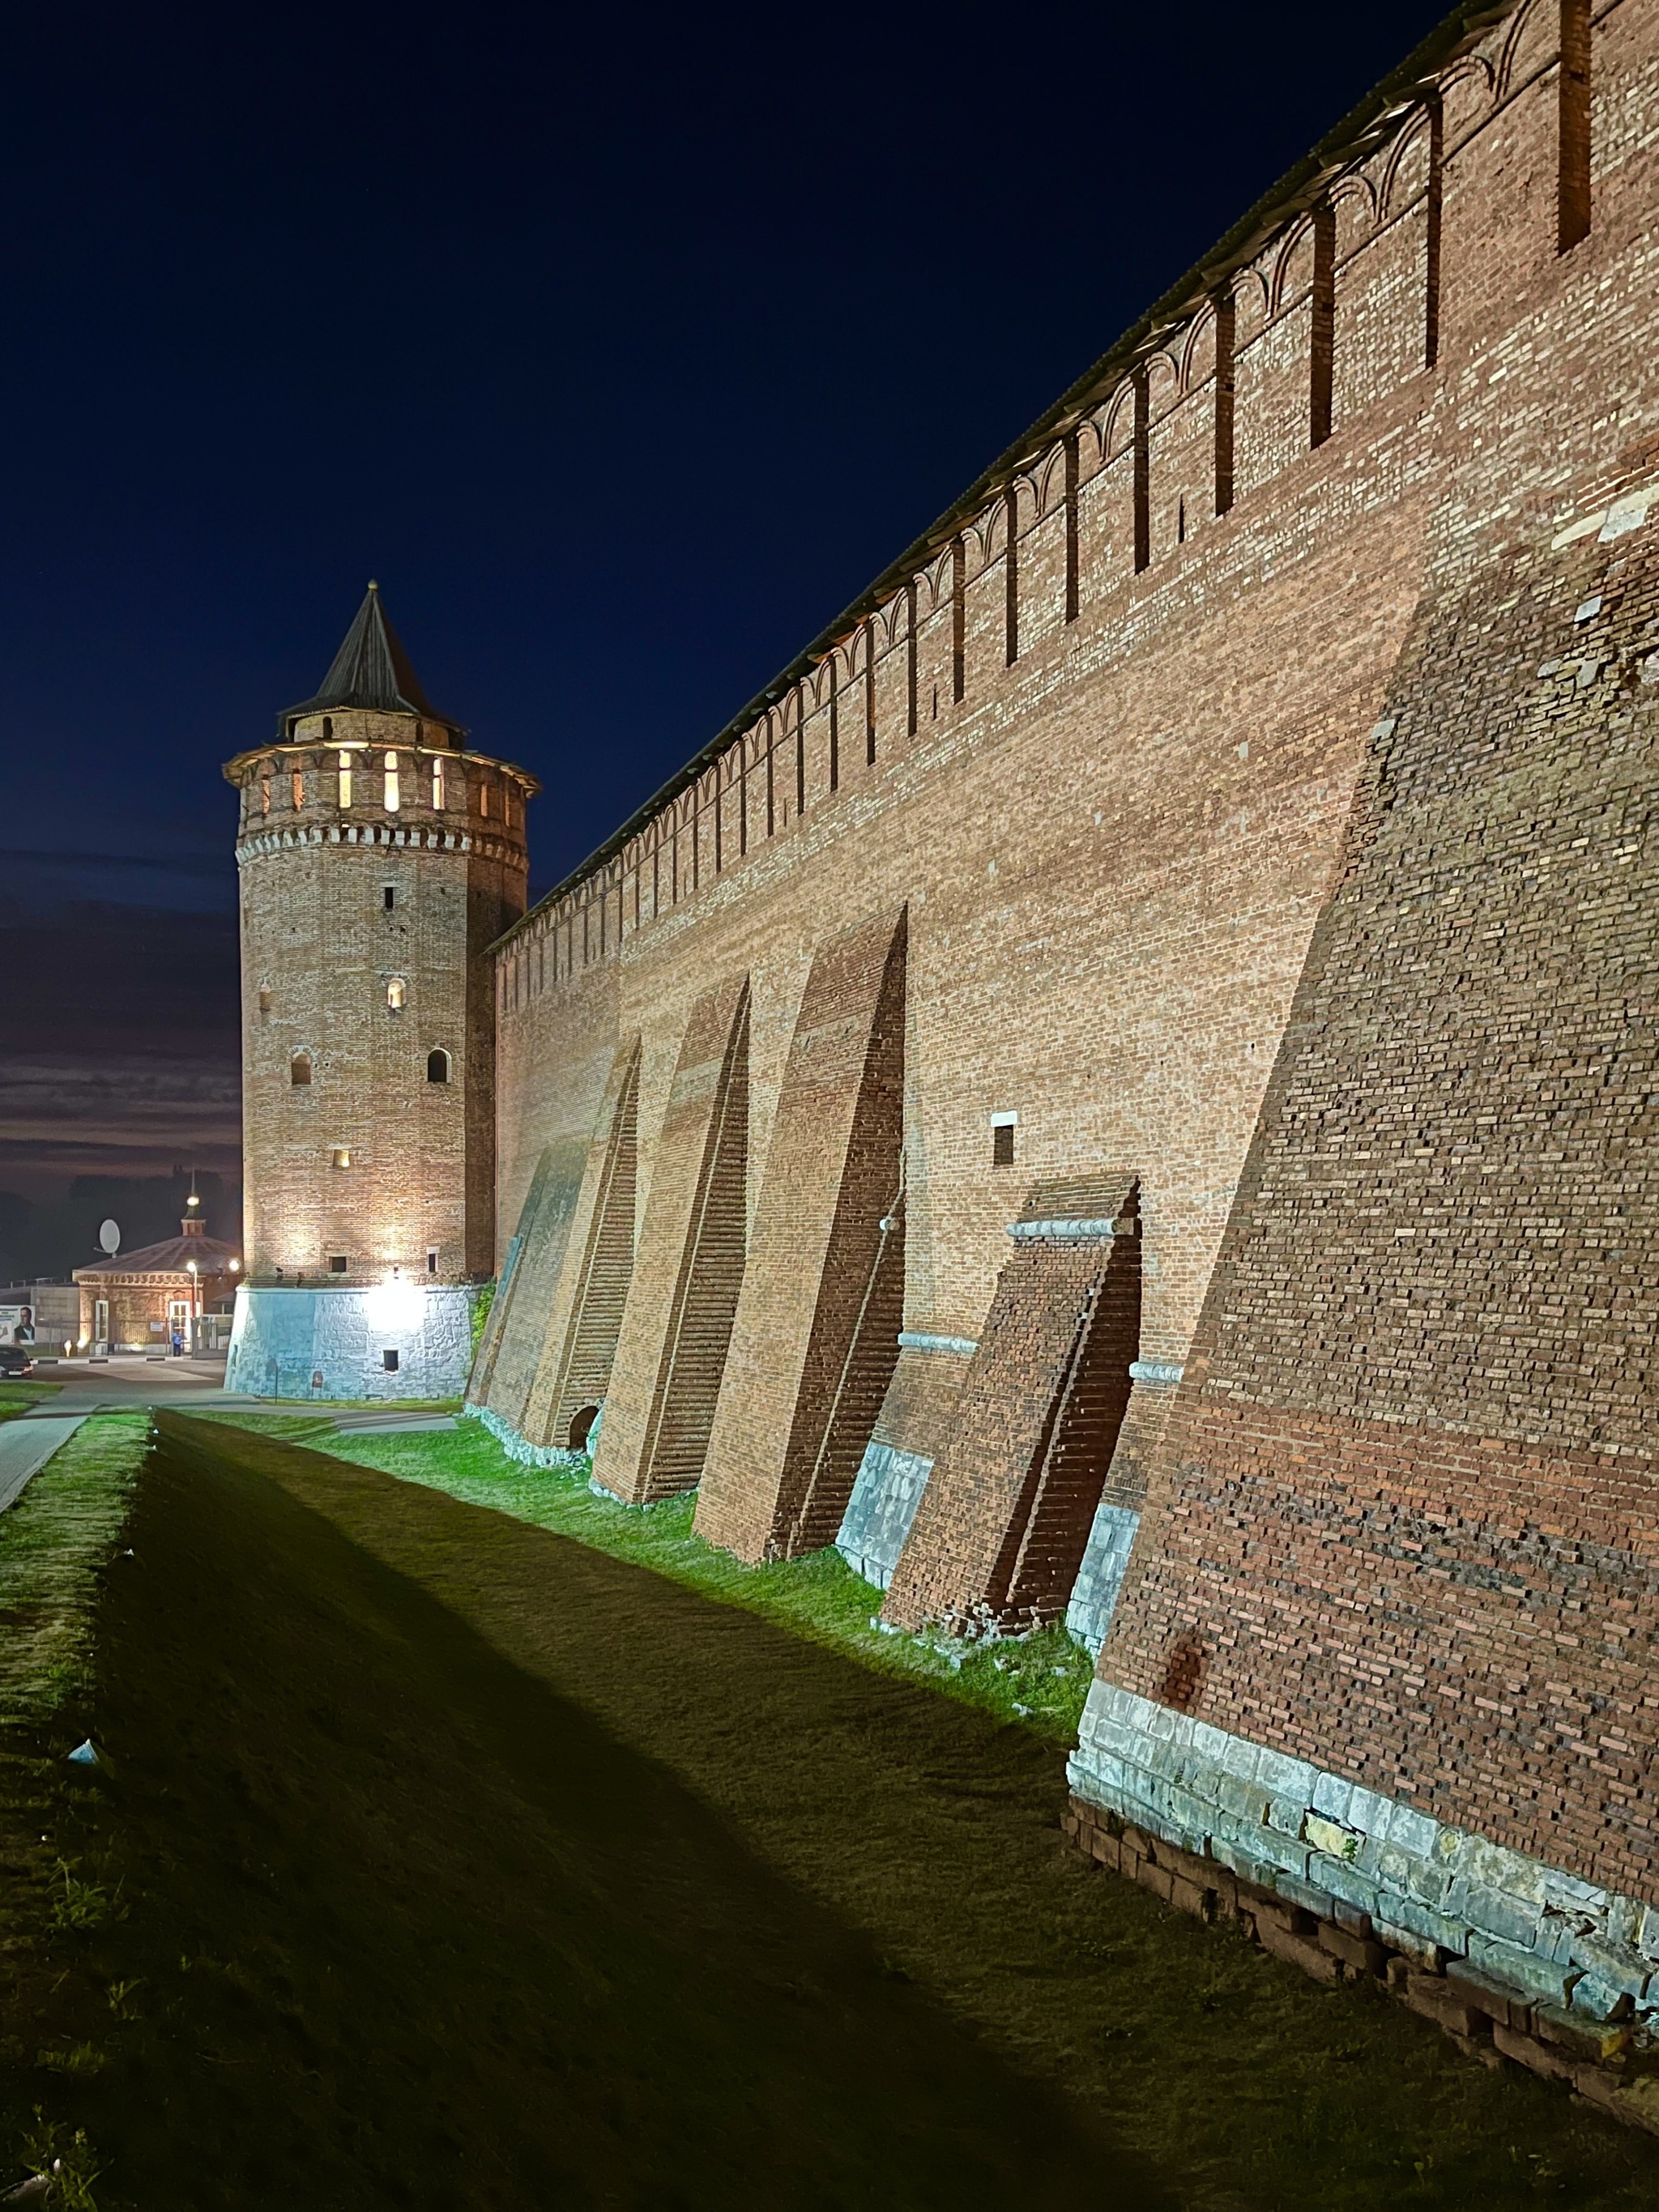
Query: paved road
[(126, 1382)]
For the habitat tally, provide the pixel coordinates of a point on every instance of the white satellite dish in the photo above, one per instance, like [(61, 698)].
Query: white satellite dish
[(109, 1237)]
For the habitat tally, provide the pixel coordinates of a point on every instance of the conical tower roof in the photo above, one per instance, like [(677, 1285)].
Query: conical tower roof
[(372, 670)]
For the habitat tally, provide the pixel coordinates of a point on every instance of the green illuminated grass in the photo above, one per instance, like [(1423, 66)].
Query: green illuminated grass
[(1040, 1682), (53, 1541), (17, 1397)]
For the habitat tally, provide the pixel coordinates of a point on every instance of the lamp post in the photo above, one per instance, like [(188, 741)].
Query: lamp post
[(195, 1287)]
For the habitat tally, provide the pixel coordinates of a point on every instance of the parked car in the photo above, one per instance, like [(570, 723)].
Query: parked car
[(16, 1359)]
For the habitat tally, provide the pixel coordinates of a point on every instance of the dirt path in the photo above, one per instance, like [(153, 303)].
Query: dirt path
[(465, 1866)]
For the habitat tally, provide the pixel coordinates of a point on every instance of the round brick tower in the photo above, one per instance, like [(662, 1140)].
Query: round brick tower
[(378, 857)]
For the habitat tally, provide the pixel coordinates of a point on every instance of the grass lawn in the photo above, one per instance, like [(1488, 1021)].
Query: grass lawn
[(56, 1544), (17, 1397), (444, 1860), (53, 1544), (1038, 1681)]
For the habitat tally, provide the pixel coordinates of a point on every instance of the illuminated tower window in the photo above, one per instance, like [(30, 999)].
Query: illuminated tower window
[(299, 791), (438, 784), (345, 779), (483, 800), (392, 800), (396, 991), (342, 1156), (264, 794)]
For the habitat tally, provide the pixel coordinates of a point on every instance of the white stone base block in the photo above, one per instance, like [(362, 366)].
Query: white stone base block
[(1432, 1890), (335, 1344)]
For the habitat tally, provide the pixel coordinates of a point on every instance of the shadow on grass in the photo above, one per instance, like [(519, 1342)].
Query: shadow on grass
[(403, 1924), (466, 1866)]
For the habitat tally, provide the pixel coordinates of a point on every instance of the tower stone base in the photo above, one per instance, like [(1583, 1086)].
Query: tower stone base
[(395, 1341)]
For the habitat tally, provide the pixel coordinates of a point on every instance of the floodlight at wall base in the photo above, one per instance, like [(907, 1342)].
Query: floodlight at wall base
[(395, 1304)]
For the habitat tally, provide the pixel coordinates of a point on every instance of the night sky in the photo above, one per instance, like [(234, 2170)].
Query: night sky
[(623, 349)]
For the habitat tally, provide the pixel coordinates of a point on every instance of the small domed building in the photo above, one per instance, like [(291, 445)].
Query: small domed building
[(379, 858), (136, 1301)]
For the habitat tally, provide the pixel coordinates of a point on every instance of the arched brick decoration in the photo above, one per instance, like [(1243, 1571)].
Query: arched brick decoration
[(678, 1326)]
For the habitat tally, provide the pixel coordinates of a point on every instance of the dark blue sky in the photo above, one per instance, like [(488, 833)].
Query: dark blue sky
[(622, 347)]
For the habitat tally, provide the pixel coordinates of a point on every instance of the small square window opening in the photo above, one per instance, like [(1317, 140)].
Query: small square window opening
[(336, 1263)]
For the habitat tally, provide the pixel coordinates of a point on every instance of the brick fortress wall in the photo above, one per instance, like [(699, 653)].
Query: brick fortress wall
[(1255, 763)]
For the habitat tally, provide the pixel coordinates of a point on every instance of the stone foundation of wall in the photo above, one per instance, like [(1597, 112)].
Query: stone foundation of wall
[(333, 1344), (1436, 1895), (1610, 2062), (881, 1512)]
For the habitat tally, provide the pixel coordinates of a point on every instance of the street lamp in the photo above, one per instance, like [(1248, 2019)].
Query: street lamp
[(195, 1287)]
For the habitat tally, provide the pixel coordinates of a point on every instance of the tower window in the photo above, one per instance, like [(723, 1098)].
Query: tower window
[(396, 992), (483, 800), (392, 800), (438, 784), (437, 1065), (341, 1156), (264, 794), (328, 728), (1002, 1140), (389, 897), (432, 1259), (389, 1360), (265, 997), (336, 1263), (299, 787), (345, 779), (298, 1068)]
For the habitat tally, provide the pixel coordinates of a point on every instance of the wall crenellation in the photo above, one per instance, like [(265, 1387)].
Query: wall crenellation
[(1065, 535)]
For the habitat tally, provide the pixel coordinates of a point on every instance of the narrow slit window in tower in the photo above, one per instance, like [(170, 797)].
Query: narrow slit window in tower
[(297, 787), (396, 992), (1002, 1140), (345, 779), (265, 997), (389, 897), (393, 799), (264, 794), (432, 1259), (438, 785)]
